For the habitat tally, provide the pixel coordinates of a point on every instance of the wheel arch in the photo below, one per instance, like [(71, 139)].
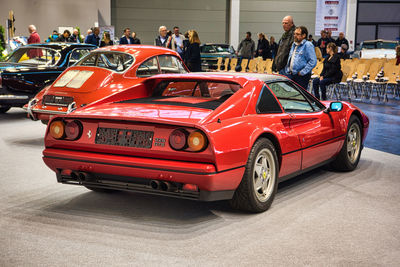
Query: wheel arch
[(357, 113), (275, 142)]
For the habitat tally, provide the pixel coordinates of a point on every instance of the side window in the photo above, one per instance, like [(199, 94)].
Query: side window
[(148, 68), (76, 55), (291, 99), (170, 64), (317, 106), (267, 103)]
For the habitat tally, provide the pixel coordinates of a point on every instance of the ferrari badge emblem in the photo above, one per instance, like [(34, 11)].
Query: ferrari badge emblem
[(89, 134)]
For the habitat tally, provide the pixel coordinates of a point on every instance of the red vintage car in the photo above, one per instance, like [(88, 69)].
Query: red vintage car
[(206, 137), (103, 72)]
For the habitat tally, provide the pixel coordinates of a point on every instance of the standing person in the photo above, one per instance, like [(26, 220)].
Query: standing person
[(311, 39), (163, 39), (106, 40), (329, 36), (53, 37), (302, 58), (323, 42), (178, 38), (341, 40), (193, 52), (135, 39), (331, 73), (89, 32), (64, 37), (186, 44), (75, 38), (285, 43), (246, 48), (273, 47), (34, 37), (94, 38), (263, 49), (126, 39)]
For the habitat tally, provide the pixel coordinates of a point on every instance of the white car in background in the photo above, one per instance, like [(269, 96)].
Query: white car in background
[(377, 49)]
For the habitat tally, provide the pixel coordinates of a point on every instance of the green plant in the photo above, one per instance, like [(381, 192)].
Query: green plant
[(2, 42)]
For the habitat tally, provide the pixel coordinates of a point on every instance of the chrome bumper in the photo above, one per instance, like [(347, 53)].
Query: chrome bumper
[(30, 110)]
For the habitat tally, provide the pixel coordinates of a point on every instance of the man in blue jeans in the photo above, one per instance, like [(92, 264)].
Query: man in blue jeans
[(302, 58)]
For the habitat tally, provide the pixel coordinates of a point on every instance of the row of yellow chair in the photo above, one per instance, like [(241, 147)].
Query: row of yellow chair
[(257, 65)]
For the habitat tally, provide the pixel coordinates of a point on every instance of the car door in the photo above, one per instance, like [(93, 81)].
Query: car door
[(314, 127)]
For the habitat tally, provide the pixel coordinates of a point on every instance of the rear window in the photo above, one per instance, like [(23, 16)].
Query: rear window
[(115, 61), (201, 94)]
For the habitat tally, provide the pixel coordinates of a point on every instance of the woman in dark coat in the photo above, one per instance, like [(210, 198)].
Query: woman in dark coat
[(331, 73), (106, 40), (273, 47), (263, 49), (193, 52)]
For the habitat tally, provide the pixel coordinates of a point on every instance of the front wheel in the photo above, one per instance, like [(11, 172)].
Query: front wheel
[(260, 180), (349, 155)]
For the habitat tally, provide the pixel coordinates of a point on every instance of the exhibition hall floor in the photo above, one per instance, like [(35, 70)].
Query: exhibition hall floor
[(321, 218)]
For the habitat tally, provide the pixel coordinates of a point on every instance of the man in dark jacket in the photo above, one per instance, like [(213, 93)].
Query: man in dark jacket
[(323, 42), (94, 38), (126, 39), (64, 37), (341, 40), (285, 44)]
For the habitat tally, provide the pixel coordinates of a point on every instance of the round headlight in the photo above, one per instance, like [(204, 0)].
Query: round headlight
[(73, 130), (57, 129), (197, 141), (177, 139)]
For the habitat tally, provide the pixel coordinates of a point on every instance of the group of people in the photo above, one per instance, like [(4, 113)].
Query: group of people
[(187, 45), (295, 55)]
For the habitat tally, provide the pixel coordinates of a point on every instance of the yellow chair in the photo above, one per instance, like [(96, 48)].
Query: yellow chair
[(233, 64), (243, 65), (253, 65), (219, 63), (226, 64)]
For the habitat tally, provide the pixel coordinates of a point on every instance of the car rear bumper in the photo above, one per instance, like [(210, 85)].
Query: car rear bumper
[(14, 100), (136, 174)]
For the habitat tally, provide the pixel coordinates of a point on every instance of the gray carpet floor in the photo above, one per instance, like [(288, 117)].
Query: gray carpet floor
[(322, 218)]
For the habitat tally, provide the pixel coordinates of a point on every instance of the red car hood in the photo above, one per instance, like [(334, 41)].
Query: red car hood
[(145, 112)]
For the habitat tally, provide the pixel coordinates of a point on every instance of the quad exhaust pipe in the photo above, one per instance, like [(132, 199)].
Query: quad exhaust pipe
[(80, 176)]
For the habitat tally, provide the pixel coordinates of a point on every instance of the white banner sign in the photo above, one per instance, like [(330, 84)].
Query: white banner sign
[(331, 16)]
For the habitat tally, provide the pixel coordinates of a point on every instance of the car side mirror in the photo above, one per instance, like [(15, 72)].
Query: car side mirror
[(335, 106)]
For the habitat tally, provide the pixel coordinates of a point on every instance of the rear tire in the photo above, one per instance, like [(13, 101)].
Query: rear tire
[(349, 155), (259, 184), (4, 109)]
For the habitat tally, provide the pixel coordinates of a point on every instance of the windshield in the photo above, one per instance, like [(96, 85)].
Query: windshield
[(200, 94), (379, 45), (115, 61), (35, 56), (217, 49)]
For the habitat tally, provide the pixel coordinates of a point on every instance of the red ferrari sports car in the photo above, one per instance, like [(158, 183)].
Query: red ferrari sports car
[(101, 73), (206, 137)]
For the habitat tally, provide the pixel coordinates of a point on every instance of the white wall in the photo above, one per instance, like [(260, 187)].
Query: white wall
[(266, 16), (47, 15), (207, 17)]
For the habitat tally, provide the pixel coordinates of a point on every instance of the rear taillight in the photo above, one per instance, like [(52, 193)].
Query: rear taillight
[(57, 129), (73, 130), (70, 130), (197, 141), (177, 139), (191, 141)]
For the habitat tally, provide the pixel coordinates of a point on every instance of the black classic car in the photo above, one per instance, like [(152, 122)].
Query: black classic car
[(210, 53), (32, 67)]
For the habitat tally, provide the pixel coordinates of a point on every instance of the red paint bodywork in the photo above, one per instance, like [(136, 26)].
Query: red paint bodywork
[(302, 140), (102, 83)]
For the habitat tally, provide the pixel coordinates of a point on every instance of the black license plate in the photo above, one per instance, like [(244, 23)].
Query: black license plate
[(124, 137)]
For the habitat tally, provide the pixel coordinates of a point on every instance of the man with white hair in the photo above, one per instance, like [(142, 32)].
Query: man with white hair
[(34, 36), (163, 39), (284, 45)]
